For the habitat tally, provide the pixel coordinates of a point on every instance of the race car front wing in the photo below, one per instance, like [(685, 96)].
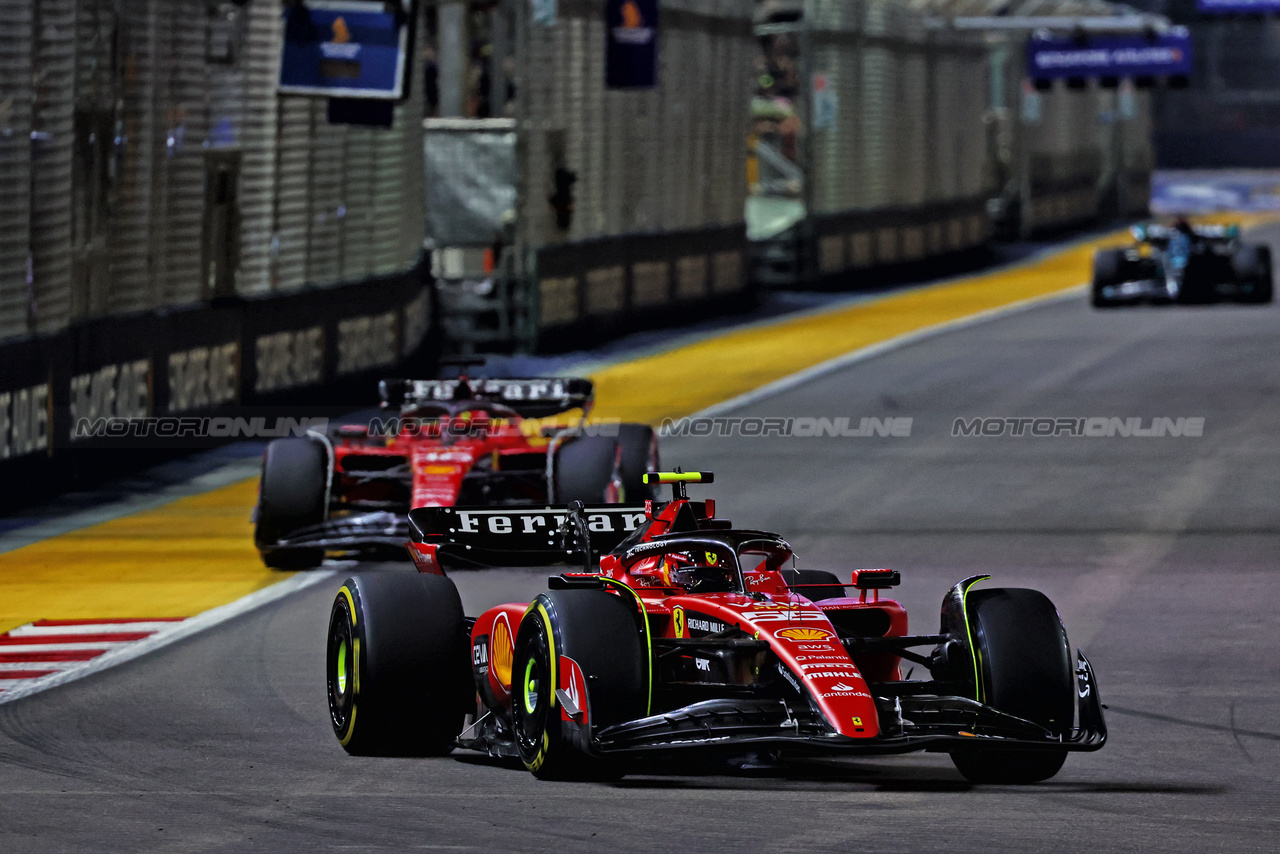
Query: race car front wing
[(908, 722)]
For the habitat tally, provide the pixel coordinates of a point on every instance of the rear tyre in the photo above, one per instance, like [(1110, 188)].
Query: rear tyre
[(800, 579), (1108, 266), (398, 665), (587, 469), (291, 495), (639, 445), (1025, 671), (597, 632)]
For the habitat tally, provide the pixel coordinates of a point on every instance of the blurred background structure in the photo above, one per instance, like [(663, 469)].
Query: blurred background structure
[(152, 164), (556, 173), (1229, 115)]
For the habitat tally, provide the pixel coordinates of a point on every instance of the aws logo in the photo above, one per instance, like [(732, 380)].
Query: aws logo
[(634, 30)]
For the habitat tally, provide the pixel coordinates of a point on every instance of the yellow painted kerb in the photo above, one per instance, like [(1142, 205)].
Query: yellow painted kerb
[(177, 560)]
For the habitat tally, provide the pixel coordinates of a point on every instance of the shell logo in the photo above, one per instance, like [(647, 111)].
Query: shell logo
[(805, 634), (503, 650), (341, 32), (631, 17)]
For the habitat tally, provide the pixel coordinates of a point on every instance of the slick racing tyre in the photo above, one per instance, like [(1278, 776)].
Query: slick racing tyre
[(639, 445), (799, 580), (292, 494), (1025, 670), (1108, 271), (398, 665), (586, 643), (1252, 267), (587, 469)]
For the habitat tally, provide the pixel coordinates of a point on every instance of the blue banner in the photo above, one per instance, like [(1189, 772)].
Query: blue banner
[(1237, 7), (1164, 55), (631, 44), (346, 50)]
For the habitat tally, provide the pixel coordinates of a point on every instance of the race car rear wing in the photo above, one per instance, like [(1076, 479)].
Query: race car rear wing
[(531, 397), (470, 537)]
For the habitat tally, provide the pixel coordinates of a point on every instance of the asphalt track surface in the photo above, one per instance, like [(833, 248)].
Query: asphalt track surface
[(1161, 554)]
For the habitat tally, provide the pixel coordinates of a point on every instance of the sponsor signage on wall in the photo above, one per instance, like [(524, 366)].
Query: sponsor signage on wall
[(203, 377), (113, 391), (631, 44), (344, 49), (1237, 7), (1163, 55), (24, 421)]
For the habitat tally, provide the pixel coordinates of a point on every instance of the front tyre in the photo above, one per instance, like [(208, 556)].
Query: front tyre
[(1025, 670), (596, 633), (397, 665), (1108, 272)]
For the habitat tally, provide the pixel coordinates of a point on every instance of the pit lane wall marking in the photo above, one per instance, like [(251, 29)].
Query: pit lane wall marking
[(195, 555)]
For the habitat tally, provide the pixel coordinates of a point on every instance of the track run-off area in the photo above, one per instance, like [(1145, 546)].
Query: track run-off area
[(1161, 554)]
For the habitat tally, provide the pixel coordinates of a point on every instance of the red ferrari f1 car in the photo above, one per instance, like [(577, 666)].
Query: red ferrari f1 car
[(443, 442), (684, 634)]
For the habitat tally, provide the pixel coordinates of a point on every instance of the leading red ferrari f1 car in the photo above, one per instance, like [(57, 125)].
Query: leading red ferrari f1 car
[(683, 634), (466, 441)]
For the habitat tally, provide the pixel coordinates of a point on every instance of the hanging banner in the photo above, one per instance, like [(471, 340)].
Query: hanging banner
[(345, 50), (1237, 7), (631, 44), (1163, 55)]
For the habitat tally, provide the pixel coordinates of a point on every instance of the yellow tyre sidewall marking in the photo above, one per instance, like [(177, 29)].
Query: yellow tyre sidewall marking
[(552, 683), (355, 666)]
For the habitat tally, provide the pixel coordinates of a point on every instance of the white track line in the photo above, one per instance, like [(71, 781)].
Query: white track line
[(38, 665), (23, 648), (171, 634)]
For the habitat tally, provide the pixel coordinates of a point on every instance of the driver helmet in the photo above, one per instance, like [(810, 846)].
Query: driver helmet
[(701, 571)]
